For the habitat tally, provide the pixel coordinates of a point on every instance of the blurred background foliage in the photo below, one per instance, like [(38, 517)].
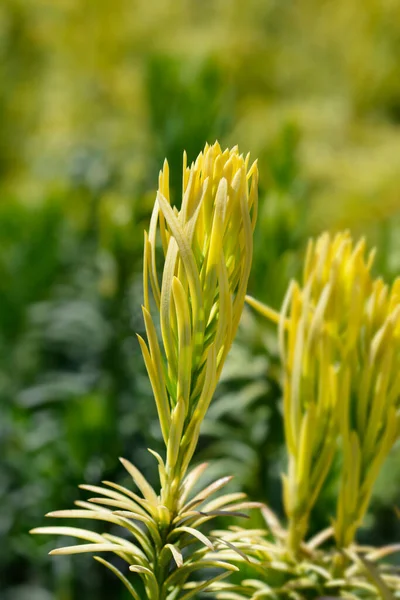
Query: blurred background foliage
[(93, 96)]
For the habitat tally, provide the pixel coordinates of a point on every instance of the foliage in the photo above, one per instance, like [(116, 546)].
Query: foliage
[(317, 572), (207, 251), (92, 98), (339, 346)]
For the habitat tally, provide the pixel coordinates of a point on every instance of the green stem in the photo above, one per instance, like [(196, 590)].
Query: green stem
[(339, 565), (170, 491), (296, 532), (170, 494)]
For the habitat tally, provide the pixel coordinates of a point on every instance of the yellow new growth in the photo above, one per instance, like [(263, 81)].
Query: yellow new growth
[(318, 328), (191, 314), (192, 311), (369, 404), (339, 339)]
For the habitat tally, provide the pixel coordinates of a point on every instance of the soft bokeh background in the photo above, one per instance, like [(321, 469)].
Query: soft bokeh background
[(93, 96)]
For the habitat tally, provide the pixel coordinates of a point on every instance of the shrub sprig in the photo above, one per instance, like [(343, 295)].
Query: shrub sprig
[(191, 315)]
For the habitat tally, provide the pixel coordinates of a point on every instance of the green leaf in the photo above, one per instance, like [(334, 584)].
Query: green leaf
[(140, 481), (195, 533), (83, 548), (214, 487), (177, 555), (109, 517), (189, 482), (202, 586), (83, 534), (182, 573), (148, 521), (149, 579), (147, 506), (120, 576)]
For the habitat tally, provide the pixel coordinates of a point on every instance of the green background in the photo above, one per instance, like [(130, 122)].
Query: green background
[(93, 96)]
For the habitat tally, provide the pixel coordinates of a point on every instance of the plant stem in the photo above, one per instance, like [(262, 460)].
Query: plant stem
[(296, 531), (170, 494)]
